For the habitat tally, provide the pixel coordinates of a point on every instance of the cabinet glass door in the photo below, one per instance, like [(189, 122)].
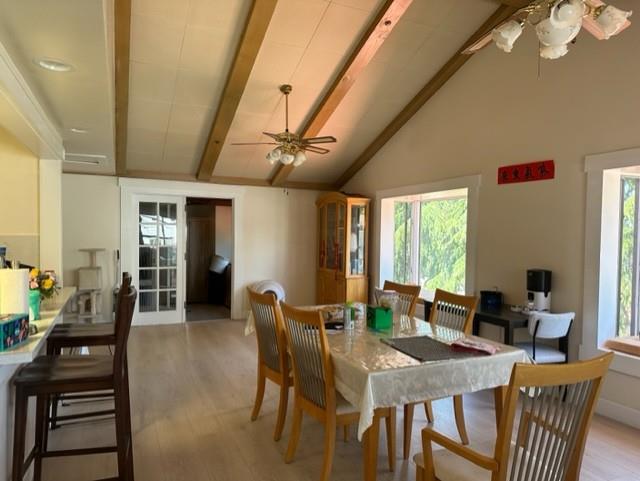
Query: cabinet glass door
[(332, 213), (357, 241), (340, 236)]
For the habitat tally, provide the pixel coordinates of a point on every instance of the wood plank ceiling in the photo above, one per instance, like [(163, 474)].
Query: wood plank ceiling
[(358, 70)]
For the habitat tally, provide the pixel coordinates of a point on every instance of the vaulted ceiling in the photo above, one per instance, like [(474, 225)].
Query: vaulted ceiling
[(184, 67)]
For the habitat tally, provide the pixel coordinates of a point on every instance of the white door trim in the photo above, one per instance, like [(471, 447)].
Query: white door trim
[(130, 187)]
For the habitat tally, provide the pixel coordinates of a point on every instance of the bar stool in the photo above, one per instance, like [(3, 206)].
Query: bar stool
[(51, 376), (73, 335)]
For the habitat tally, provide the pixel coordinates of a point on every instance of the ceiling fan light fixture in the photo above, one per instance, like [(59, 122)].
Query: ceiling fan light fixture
[(611, 20), (270, 158), (506, 34), (553, 52), (300, 158)]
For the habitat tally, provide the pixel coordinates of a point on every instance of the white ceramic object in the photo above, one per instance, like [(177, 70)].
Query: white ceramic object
[(287, 158), (506, 34), (611, 20), (554, 37)]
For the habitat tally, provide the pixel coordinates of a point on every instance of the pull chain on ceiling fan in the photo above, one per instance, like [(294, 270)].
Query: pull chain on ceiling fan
[(291, 147)]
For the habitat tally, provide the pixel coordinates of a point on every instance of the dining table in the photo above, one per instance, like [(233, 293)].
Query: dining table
[(371, 374)]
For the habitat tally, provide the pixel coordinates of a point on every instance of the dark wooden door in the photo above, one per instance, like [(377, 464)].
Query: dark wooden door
[(200, 249)]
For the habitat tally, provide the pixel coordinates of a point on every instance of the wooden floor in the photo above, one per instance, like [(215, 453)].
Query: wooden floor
[(192, 391)]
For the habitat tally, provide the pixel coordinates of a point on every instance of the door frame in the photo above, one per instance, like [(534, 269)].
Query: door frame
[(131, 188)]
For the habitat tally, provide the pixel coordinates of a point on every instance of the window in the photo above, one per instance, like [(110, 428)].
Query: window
[(430, 240), (628, 285)]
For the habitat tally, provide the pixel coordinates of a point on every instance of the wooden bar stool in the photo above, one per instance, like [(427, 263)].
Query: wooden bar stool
[(74, 335), (50, 376)]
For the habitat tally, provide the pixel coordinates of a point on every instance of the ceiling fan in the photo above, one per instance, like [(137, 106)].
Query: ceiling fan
[(291, 147), (557, 23)]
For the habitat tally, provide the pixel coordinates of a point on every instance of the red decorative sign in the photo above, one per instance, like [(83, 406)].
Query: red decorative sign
[(540, 170)]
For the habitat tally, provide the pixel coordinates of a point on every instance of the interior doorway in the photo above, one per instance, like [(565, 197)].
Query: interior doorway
[(209, 257)]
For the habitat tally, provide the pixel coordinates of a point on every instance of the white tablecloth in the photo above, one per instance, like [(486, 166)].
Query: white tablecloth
[(371, 374)]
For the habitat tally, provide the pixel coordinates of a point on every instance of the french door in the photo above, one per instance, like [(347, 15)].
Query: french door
[(158, 258)]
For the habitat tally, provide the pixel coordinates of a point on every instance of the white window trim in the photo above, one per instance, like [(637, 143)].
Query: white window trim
[(471, 183), (597, 284)]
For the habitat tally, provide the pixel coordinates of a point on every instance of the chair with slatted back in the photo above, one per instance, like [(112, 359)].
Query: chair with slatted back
[(273, 361), (314, 386), (547, 411), (408, 295), (50, 376), (76, 335), (453, 311)]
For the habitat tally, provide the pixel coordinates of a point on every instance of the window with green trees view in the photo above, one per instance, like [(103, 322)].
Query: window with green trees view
[(628, 297), (430, 241)]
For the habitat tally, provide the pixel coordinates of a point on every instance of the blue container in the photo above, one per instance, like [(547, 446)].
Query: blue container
[(14, 330)]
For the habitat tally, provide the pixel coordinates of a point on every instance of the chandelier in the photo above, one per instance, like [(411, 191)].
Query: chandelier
[(557, 23)]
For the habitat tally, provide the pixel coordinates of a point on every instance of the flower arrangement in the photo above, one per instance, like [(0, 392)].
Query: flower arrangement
[(43, 281)]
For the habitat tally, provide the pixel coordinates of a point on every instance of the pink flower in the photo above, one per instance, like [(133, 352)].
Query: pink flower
[(33, 285)]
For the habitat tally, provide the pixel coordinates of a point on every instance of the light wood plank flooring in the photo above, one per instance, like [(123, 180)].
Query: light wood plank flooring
[(192, 391)]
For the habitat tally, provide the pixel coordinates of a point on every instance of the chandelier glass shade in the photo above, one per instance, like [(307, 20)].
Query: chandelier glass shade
[(558, 22)]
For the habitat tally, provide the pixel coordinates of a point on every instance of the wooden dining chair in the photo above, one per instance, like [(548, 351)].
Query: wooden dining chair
[(408, 295), (273, 363), (50, 376), (556, 404), (314, 387), (453, 311)]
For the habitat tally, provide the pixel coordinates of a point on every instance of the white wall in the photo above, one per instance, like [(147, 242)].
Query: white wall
[(51, 215), (90, 218), (496, 111), (224, 233), (276, 231)]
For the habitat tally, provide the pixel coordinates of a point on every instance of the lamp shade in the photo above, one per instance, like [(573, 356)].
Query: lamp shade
[(218, 264), (566, 13), (554, 37), (506, 34), (287, 158), (300, 158), (611, 20), (552, 53)]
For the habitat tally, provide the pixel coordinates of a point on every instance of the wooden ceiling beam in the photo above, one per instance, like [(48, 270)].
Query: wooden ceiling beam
[(376, 34), (122, 40), (429, 90), (252, 37)]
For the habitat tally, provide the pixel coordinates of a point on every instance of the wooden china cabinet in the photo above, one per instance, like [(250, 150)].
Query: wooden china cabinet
[(343, 231)]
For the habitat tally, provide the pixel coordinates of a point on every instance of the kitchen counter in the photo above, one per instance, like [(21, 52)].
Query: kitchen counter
[(28, 350)]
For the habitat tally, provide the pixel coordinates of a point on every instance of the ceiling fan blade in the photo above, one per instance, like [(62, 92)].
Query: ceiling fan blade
[(269, 134), (327, 139), (316, 150), (478, 44), (254, 143)]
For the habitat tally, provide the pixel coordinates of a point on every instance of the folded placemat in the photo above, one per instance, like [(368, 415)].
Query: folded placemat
[(425, 348)]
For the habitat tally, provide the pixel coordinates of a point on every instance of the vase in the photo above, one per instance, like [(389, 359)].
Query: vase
[(34, 304)]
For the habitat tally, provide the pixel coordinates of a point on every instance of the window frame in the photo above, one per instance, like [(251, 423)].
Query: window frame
[(601, 251), (382, 249)]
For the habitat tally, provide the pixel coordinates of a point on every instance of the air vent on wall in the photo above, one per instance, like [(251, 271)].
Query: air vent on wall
[(90, 159)]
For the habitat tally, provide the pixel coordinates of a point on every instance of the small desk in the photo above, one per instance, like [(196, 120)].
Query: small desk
[(502, 317)]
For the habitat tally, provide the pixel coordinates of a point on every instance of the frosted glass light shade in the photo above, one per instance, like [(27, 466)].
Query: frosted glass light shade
[(300, 158), (566, 13), (287, 158), (552, 53), (611, 20), (271, 158), (506, 34), (551, 36)]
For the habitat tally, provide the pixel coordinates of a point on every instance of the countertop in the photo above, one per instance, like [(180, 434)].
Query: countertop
[(28, 350)]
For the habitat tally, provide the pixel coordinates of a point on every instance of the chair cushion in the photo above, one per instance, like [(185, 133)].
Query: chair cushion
[(73, 329), (544, 354), (46, 370)]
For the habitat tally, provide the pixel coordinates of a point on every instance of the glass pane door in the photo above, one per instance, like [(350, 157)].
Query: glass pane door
[(158, 227), (357, 241)]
